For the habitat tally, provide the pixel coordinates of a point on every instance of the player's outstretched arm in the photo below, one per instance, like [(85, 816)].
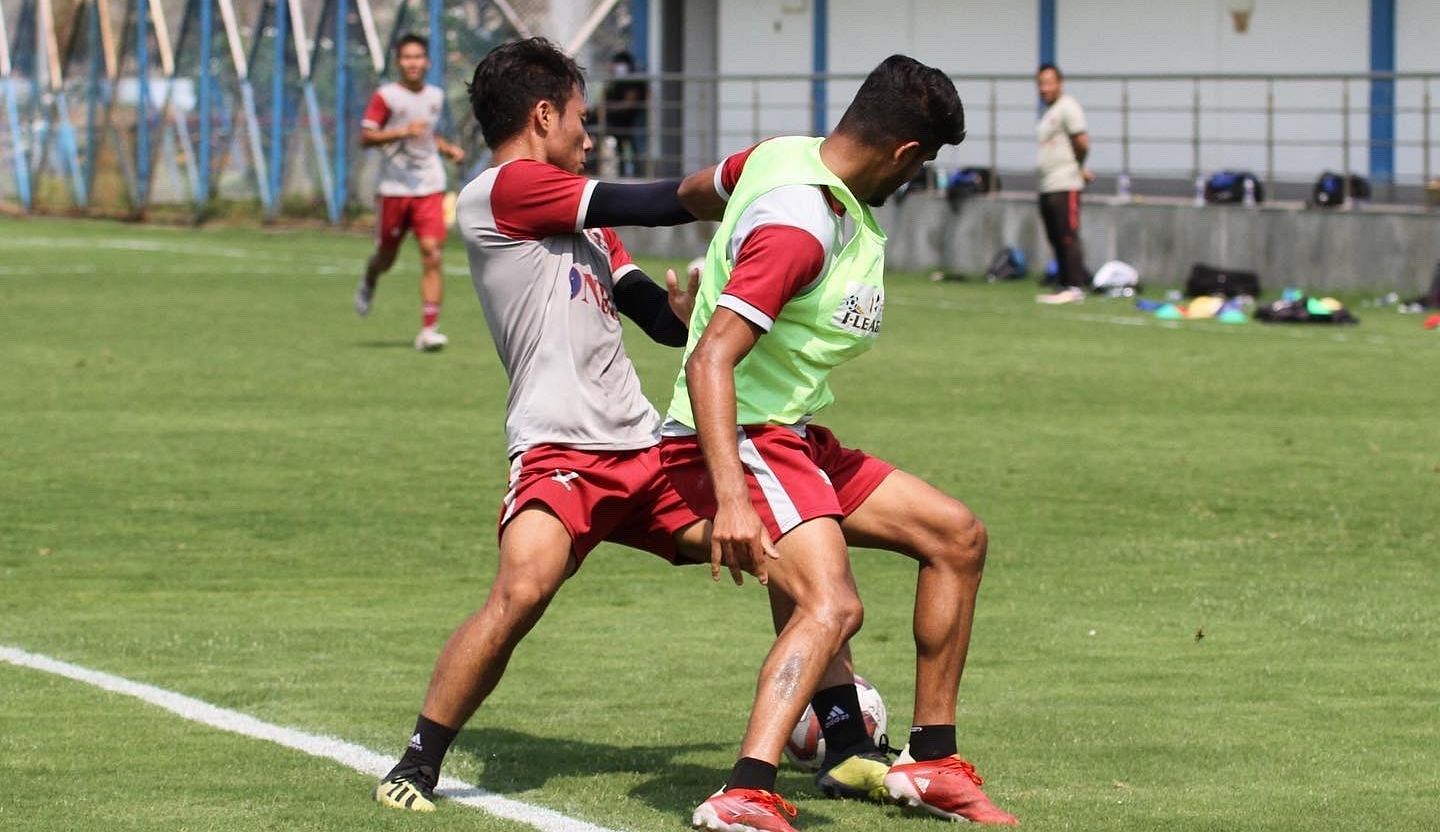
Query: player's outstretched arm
[(698, 194), (650, 204), (738, 537)]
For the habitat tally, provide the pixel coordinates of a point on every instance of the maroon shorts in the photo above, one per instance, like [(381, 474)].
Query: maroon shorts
[(620, 496), (397, 214), (793, 478)]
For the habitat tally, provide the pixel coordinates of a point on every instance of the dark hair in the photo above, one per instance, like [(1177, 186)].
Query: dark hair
[(623, 57), (513, 78), (1053, 68), (904, 100), (407, 39)]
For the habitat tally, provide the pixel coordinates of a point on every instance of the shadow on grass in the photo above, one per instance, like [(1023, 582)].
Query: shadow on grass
[(517, 762)]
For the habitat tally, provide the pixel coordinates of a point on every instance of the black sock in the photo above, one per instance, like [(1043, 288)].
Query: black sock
[(428, 746), (931, 742), (750, 773), (842, 722)]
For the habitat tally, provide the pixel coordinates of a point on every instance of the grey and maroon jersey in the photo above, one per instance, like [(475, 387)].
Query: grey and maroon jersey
[(409, 167), (546, 283)]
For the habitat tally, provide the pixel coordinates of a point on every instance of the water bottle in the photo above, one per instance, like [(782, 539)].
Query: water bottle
[(1249, 192), (1122, 186), (1199, 191)]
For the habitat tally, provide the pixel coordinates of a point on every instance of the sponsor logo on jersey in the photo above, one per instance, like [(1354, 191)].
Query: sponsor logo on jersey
[(586, 288), (861, 310)]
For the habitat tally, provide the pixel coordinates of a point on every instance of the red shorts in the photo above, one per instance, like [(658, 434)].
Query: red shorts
[(395, 215), (792, 478), (619, 496)]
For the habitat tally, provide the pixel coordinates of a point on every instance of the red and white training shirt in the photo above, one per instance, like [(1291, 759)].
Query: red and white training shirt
[(781, 246), (409, 167), (546, 284)]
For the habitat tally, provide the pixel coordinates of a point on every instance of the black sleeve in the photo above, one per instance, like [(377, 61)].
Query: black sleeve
[(648, 203), (643, 301)]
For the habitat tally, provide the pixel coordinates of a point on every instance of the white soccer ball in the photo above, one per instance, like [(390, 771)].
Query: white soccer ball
[(806, 746), (696, 265)]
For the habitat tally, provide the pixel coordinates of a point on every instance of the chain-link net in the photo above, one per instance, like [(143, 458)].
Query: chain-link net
[(271, 129)]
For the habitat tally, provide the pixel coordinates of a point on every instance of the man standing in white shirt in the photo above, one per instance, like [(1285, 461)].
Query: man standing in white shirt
[(400, 120), (1064, 144)]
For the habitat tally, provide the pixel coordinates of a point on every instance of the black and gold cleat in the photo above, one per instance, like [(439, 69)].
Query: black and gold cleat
[(411, 787), (856, 777)]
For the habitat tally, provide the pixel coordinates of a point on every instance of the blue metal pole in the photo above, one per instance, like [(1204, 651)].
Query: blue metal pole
[(277, 105), (640, 33), (1382, 91), (17, 143), (207, 32), (92, 93), (142, 118), (342, 108), (436, 75), (820, 64), (1047, 31)]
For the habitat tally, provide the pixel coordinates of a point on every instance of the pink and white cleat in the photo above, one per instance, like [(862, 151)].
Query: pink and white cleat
[(744, 810), (948, 788)]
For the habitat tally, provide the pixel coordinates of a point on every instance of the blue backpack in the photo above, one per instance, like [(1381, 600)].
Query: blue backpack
[(1008, 264)]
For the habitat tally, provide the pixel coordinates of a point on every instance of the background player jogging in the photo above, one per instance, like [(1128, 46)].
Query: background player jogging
[(400, 121), (792, 288)]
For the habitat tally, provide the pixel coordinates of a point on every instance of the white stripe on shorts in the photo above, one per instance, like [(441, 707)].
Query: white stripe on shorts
[(786, 515), (515, 466)]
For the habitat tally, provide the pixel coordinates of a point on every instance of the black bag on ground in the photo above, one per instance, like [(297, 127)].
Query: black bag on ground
[(1228, 187), (1007, 264), (1303, 311), (1208, 280), (1329, 190)]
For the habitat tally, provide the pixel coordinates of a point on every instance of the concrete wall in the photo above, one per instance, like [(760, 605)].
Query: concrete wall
[(1318, 250), (971, 38)]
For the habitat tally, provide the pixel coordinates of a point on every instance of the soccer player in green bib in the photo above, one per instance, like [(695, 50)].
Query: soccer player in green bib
[(792, 288)]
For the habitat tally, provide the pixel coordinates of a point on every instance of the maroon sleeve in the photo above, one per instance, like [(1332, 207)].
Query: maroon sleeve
[(619, 257), (774, 264), (533, 200), (377, 112), (728, 175)]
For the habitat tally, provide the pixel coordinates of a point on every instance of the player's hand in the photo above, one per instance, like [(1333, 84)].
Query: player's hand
[(416, 129), (1088, 175), (682, 303), (739, 540), (455, 152)]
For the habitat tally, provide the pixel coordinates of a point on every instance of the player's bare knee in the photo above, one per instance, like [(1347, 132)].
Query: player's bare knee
[(384, 258), (841, 617), (521, 598), (962, 542)]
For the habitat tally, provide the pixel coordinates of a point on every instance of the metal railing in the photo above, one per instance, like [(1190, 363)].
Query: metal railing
[(1159, 132)]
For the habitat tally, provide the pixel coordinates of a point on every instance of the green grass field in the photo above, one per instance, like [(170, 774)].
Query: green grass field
[(214, 478)]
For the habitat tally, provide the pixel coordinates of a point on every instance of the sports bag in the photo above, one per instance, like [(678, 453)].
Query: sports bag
[(1329, 191), (1007, 264), (1208, 280), (1228, 187)]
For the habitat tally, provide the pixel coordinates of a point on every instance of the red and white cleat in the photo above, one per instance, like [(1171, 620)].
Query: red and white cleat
[(744, 810), (948, 788)]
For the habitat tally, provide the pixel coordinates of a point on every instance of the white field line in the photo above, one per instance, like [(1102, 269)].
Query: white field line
[(143, 245), (347, 754)]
